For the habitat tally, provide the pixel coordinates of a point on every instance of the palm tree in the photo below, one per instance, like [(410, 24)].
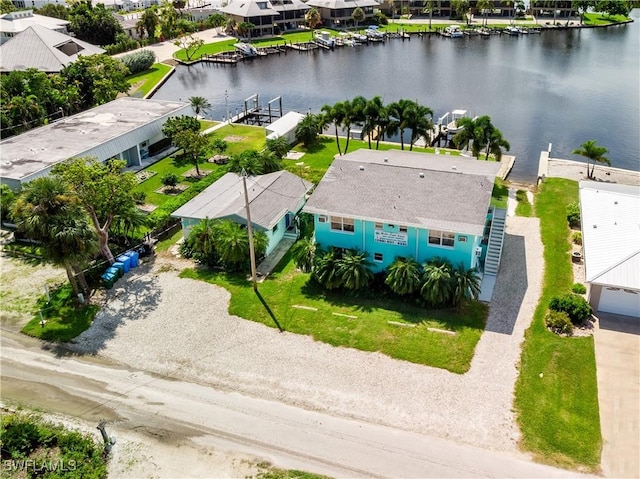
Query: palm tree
[(199, 103), (201, 242), (485, 6), (231, 243), (495, 144), (129, 221), (47, 210), (592, 152), (325, 269), (383, 125), (353, 269), (430, 6), (335, 114), (437, 287), (466, 134), (358, 15), (353, 113), (398, 112), (303, 252), (419, 120), (270, 162), (313, 18), (308, 130), (371, 113), (466, 284), (249, 160), (403, 276)]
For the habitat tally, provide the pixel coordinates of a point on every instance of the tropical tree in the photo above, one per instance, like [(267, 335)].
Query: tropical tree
[(325, 269), (48, 211), (460, 7), (193, 145), (93, 23), (219, 145), (429, 7), (148, 23), (593, 153), (303, 253), (216, 20), (353, 269), (308, 130), (495, 144), (404, 276), (176, 124), (244, 29), (54, 10), (200, 244), (372, 113), (7, 199), (484, 6), (419, 120), (398, 112), (190, 45), (353, 114), (464, 137), (437, 286), (232, 244), (335, 114), (278, 146), (581, 7), (199, 103), (313, 18), (483, 135), (270, 161), (6, 6), (466, 284), (128, 222), (358, 16), (103, 190), (168, 19)]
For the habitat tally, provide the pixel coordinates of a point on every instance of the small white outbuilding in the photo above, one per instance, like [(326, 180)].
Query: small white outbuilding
[(285, 126)]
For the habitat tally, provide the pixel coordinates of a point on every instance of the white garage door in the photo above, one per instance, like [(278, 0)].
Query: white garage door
[(620, 301)]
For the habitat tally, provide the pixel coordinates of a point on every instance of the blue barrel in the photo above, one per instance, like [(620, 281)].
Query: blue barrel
[(126, 261), (114, 271), (120, 266), (108, 279), (133, 256)]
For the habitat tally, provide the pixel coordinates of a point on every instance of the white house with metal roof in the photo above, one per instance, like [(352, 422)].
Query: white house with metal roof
[(610, 215), (44, 49), (127, 128), (13, 23), (405, 204), (275, 199), (339, 13)]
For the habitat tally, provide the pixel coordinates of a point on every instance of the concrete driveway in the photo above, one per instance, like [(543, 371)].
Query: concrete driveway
[(617, 344)]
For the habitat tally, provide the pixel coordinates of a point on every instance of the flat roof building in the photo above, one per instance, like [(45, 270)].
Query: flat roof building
[(126, 128)]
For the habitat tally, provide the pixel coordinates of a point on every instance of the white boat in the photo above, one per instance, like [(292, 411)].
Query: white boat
[(450, 120), (346, 39), (512, 30), (324, 39), (374, 34), (453, 31), (246, 49), (359, 38)]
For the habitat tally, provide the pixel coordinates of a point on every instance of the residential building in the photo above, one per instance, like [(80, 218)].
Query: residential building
[(129, 25), (292, 14), (339, 13), (275, 199), (127, 128), (405, 204), (16, 22), (260, 13), (47, 50), (610, 216)]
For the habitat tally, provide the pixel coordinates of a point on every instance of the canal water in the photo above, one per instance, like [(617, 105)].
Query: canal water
[(561, 87)]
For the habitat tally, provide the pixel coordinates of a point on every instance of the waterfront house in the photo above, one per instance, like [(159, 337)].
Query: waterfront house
[(339, 13), (13, 23), (275, 200), (610, 216), (259, 13), (399, 203)]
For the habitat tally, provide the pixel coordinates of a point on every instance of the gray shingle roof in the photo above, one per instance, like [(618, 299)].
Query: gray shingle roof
[(44, 49), (270, 196), (413, 189)]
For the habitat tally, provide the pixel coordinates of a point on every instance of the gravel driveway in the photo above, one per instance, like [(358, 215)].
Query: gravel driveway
[(158, 322)]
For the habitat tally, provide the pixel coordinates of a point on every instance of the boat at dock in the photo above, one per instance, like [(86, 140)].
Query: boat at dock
[(344, 39), (324, 39), (512, 30), (374, 35), (246, 49), (452, 31), (449, 122)]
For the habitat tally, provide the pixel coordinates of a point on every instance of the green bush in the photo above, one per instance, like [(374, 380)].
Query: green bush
[(139, 61), (170, 180), (576, 237), (573, 214), (575, 306), (139, 197), (578, 288), (559, 322)]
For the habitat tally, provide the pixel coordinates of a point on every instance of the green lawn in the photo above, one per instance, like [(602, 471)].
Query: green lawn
[(142, 83), (523, 208), (556, 392), (500, 194), (600, 19), (242, 137), (65, 318), (368, 331)]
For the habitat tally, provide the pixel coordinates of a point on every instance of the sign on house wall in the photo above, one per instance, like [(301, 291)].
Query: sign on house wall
[(388, 237)]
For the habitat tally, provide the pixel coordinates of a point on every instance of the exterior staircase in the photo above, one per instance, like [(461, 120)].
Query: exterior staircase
[(496, 239)]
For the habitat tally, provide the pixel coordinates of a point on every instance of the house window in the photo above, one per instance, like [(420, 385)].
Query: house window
[(441, 238), (403, 229), (339, 223), (462, 239), (275, 228), (377, 257), (322, 219), (379, 226)]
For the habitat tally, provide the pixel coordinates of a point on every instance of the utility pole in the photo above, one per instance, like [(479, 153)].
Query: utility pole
[(254, 278), (226, 103)]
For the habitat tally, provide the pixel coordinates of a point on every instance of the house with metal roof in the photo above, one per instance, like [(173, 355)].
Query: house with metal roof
[(44, 49), (284, 126), (13, 23), (610, 216), (405, 204), (260, 13), (339, 13), (275, 199), (127, 128)]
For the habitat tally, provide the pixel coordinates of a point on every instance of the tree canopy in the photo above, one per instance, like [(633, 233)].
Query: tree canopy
[(93, 24)]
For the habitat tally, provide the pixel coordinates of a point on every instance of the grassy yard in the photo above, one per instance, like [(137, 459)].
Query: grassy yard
[(556, 392), (142, 83), (601, 19), (242, 137), (523, 208), (64, 317), (367, 330)]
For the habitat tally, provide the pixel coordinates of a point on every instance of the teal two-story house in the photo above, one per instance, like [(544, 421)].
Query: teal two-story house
[(399, 203)]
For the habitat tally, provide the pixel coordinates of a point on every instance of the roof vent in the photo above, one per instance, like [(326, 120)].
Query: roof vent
[(615, 202), (421, 174), (361, 167), (595, 226), (386, 160), (454, 167)]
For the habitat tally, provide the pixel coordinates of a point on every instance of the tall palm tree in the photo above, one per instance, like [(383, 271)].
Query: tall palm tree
[(372, 112), (199, 103), (325, 269), (495, 144), (383, 125), (429, 7), (308, 130), (466, 284), (403, 276), (129, 221), (303, 252), (419, 120), (353, 114), (249, 161), (466, 135), (437, 287), (270, 162), (334, 114), (232, 244), (398, 112), (592, 152), (485, 6), (353, 269), (313, 18)]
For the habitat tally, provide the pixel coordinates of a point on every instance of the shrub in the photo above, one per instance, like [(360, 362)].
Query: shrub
[(559, 322), (573, 214), (170, 180), (575, 306), (122, 44), (139, 197), (576, 237), (139, 61), (578, 288)]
